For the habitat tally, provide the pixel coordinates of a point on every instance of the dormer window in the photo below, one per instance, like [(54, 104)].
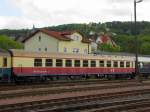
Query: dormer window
[(76, 38), (39, 38)]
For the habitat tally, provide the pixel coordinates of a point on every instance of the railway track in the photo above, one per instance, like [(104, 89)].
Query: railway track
[(63, 89), (104, 102), (4, 86)]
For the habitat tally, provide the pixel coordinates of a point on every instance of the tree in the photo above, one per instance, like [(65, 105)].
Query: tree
[(7, 43), (145, 48), (108, 47)]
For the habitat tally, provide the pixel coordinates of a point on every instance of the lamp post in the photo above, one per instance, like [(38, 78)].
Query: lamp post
[(136, 40)]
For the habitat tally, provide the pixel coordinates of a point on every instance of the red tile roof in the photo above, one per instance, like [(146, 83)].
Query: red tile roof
[(104, 39), (57, 35)]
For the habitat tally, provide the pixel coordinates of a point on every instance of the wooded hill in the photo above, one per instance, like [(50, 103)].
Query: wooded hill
[(121, 32)]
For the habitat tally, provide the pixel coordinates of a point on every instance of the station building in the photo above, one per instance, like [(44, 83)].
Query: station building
[(43, 40)]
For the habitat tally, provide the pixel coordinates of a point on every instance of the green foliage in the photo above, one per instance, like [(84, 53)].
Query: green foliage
[(108, 47), (7, 43), (145, 48), (125, 42), (144, 43), (124, 33)]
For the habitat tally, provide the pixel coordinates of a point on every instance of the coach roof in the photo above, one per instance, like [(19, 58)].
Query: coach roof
[(22, 53)]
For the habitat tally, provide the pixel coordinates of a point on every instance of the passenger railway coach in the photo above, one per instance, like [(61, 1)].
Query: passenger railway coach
[(30, 65), (5, 66)]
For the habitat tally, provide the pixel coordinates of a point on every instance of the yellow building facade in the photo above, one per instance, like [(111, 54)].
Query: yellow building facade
[(51, 41)]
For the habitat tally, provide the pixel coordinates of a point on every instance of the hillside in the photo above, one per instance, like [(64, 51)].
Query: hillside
[(121, 32)]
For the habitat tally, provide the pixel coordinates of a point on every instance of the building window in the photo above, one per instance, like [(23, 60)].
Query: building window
[(85, 63), (68, 63), (59, 63), (77, 63), (93, 63), (85, 51), (39, 38), (101, 63), (115, 64), (121, 64), (75, 50), (76, 38), (108, 63), (37, 62), (4, 62), (39, 49), (65, 49), (48, 62), (45, 49)]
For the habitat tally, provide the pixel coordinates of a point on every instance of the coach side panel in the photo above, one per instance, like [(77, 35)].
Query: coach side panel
[(29, 66)]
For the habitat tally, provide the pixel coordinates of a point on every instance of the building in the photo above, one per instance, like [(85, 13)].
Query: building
[(102, 39), (105, 39), (44, 40)]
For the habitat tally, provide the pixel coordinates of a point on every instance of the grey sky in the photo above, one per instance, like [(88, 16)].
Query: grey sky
[(24, 13)]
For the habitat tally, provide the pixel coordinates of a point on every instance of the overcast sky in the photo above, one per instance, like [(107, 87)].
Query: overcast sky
[(16, 14)]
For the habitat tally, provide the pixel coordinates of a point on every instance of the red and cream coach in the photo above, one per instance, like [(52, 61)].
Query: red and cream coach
[(29, 65)]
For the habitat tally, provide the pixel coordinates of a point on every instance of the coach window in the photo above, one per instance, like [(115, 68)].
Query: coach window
[(85, 63), (121, 64), (49, 62), (101, 63), (37, 62), (93, 63), (108, 63), (59, 63), (77, 63), (115, 64), (4, 62), (68, 63), (127, 64)]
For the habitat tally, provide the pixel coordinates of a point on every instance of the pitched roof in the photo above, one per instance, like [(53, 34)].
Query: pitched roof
[(104, 39), (57, 35), (54, 34)]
